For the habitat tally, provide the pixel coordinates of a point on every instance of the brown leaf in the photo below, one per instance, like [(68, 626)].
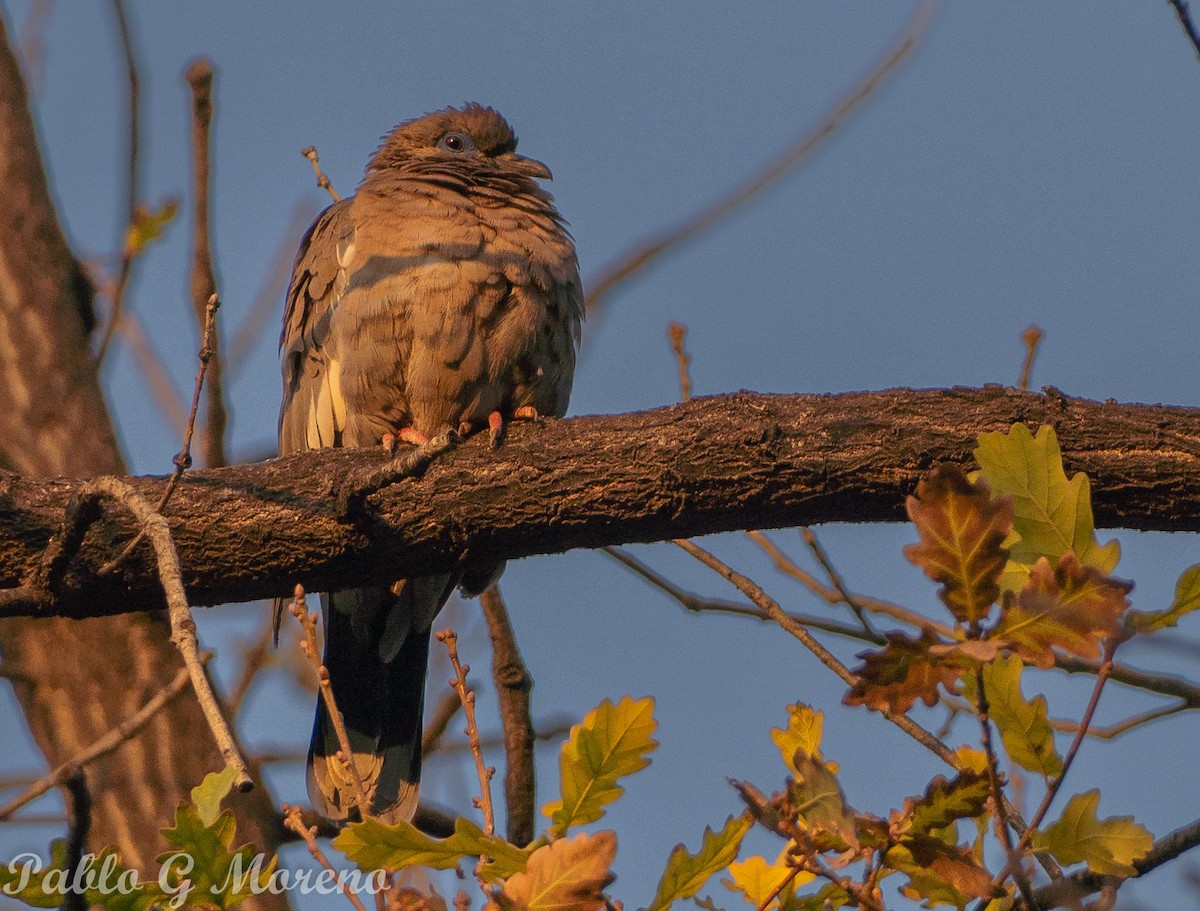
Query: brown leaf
[(904, 671), (1069, 607), (566, 875), (962, 527), (954, 864)]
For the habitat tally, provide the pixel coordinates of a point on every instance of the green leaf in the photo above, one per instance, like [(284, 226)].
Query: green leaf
[(1109, 846), (803, 732), (816, 797), (375, 846), (107, 884), (1187, 599), (1052, 514), (218, 876), (610, 742), (207, 795), (686, 874), (1024, 726), (943, 802)]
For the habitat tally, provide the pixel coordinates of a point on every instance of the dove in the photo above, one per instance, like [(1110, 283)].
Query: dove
[(443, 295)]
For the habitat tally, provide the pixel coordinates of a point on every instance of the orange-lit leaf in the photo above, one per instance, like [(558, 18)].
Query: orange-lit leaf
[(901, 673), (954, 864), (962, 528), (1069, 607)]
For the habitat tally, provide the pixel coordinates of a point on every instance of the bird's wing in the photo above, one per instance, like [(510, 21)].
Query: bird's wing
[(313, 414)]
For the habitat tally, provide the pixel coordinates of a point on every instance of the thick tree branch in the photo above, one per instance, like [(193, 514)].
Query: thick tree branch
[(710, 465)]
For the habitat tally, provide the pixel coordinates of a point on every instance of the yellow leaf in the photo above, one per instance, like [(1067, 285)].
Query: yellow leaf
[(1109, 846), (756, 878), (569, 874), (1187, 599), (1024, 725), (610, 742), (803, 732), (148, 225)]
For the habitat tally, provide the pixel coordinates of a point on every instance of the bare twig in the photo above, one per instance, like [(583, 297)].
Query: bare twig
[(831, 595), (698, 604), (200, 77), (677, 333), (293, 820), (308, 643), (132, 177), (448, 706), (1184, 15), (275, 283), (124, 731), (675, 237), (79, 822), (835, 578), (1031, 337), (999, 805), (752, 591), (183, 459), (255, 657), (322, 181), (82, 512), (450, 639), (513, 687), (1113, 731), (148, 361)]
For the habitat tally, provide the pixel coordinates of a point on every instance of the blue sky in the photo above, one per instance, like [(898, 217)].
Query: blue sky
[(1029, 163)]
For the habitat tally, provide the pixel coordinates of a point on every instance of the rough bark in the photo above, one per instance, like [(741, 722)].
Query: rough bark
[(713, 464), (77, 679)]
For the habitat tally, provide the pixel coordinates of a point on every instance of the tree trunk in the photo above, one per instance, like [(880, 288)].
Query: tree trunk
[(76, 679)]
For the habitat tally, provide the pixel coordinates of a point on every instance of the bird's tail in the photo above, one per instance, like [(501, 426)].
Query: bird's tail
[(376, 651)]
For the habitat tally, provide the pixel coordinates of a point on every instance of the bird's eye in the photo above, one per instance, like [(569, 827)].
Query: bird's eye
[(456, 142)]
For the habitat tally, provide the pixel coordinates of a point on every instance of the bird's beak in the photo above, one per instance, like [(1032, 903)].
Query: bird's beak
[(528, 166)]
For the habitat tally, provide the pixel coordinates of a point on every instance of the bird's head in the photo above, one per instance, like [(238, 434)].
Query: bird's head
[(473, 138)]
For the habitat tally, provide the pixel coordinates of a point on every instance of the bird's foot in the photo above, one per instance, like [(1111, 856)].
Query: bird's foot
[(403, 435), (497, 426)]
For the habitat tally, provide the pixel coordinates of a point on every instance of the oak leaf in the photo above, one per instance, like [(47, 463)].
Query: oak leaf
[(962, 528), (569, 874), (902, 672), (1070, 606)]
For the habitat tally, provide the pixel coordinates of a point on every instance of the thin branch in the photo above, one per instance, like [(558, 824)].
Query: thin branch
[(83, 512), (322, 181), (673, 238), (275, 283), (79, 823), (294, 821), (677, 333), (697, 604), (1031, 337), (432, 737), (752, 591), (835, 578), (308, 644), (158, 379), (1114, 731), (999, 804), (132, 177), (450, 639), (124, 731), (513, 686), (1184, 15), (255, 656), (183, 459), (831, 595), (204, 288)]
